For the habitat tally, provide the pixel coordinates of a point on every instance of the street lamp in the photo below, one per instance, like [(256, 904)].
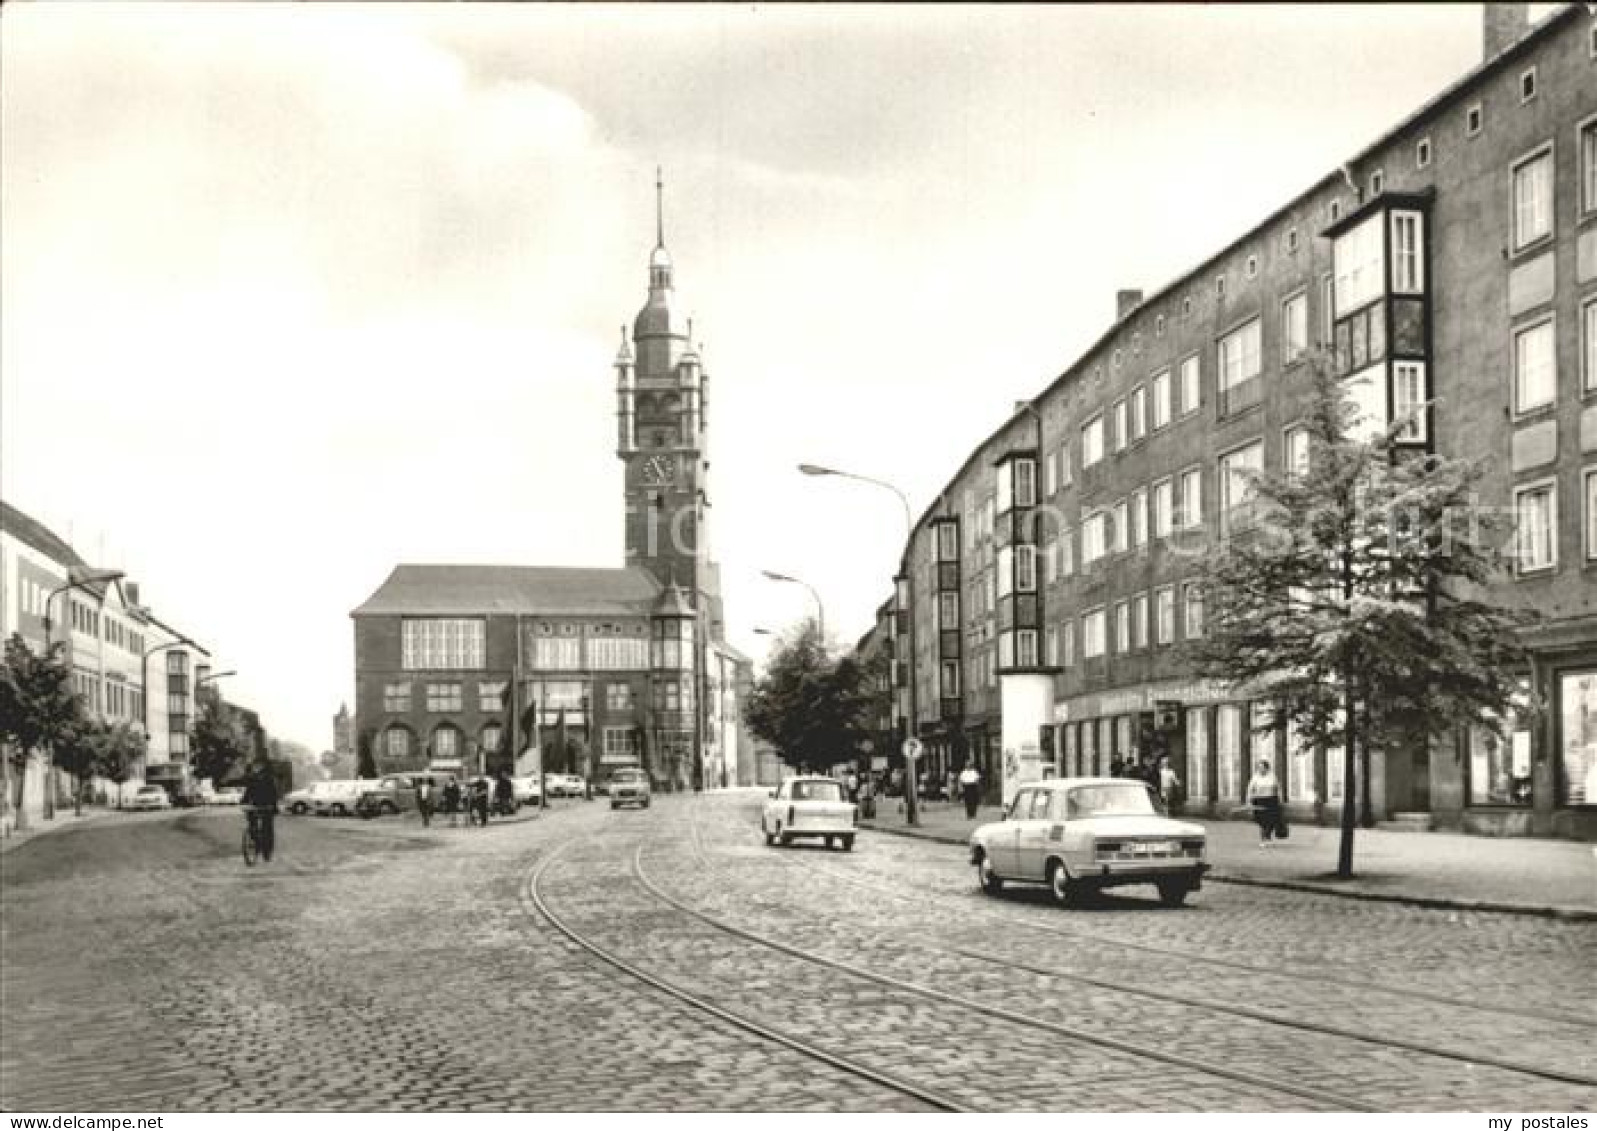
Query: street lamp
[(204, 679), (911, 802), (820, 610)]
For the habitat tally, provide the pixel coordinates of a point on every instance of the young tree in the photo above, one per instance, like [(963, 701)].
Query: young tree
[(109, 750), (815, 710), (1353, 600), (38, 708)]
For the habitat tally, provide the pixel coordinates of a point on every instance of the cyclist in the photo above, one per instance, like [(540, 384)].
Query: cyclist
[(260, 805)]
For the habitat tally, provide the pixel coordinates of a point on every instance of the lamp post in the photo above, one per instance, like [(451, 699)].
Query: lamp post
[(911, 802), (820, 609), (86, 577)]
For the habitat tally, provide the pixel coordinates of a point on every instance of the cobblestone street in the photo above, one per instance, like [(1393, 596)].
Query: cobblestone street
[(382, 966)]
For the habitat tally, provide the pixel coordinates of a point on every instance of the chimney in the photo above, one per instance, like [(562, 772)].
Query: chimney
[(1502, 25), (1126, 302)]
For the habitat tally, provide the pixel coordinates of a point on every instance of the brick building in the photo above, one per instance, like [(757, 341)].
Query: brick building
[(1453, 260), (475, 667)]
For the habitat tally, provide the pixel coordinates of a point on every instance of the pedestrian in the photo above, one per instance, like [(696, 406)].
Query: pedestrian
[(504, 795), (851, 783), (1117, 768), (424, 801), (970, 788), (1169, 785), (1264, 794), (479, 802), (452, 801)]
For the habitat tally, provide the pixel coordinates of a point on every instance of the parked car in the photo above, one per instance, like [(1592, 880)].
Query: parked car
[(810, 807), (565, 785), (336, 798), (629, 787), (1079, 835), (232, 795), (527, 790), (150, 797)]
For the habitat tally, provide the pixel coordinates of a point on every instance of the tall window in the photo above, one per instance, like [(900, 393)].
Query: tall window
[(396, 740), (1025, 484), (1067, 552), (1161, 399), (442, 644), (1198, 753), (1588, 345), (1191, 393), (1294, 328), (1591, 514), (1533, 198), (1026, 648), (1164, 615), (1536, 527), (1026, 569), (947, 542), (1093, 541), (1236, 484), (1408, 263), (1139, 517), (947, 611), (1163, 508), (1122, 627), (1117, 417), (1189, 501), (1535, 368), (446, 742), (1138, 408), (1067, 643), (1119, 534), (1228, 752), (1588, 167), (1239, 367), (948, 678), (1092, 441), (1408, 398), (1092, 634), (1356, 257), (1295, 444), (1192, 607), (1139, 621)]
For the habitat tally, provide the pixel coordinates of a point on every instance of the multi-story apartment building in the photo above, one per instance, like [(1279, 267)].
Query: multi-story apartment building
[(473, 666), (1452, 263), (127, 664)]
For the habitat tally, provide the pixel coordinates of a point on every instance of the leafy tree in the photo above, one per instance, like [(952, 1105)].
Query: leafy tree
[(97, 747), (815, 710), (1353, 597), (219, 739), (38, 708)]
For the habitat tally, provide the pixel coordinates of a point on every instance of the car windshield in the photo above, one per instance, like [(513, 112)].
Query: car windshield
[(1130, 799), (817, 791)]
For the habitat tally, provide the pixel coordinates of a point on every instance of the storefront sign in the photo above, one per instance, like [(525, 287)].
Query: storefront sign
[(1130, 701)]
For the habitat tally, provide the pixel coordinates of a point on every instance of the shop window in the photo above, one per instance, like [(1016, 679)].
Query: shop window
[(1228, 751), (1577, 717), (1198, 753), (1499, 768)]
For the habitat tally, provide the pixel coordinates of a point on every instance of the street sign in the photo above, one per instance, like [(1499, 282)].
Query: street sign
[(912, 748)]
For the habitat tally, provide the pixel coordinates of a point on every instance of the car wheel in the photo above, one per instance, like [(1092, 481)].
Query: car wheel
[(1173, 893), (338, 810), (298, 808), (390, 808), (848, 844), (645, 805), (991, 882), (1066, 892), (782, 838), (615, 804)]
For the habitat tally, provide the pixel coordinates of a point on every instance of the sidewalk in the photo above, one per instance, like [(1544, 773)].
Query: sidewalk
[(1521, 875), (13, 838)]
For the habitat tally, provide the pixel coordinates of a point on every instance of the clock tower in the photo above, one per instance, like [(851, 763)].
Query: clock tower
[(661, 396)]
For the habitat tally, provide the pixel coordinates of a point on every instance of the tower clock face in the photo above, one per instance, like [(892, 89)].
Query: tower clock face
[(658, 471)]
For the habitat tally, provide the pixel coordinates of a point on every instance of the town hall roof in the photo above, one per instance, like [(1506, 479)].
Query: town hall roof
[(460, 590)]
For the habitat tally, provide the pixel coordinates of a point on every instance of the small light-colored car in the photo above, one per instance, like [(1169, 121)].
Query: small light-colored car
[(337, 798), (629, 787), (232, 795), (526, 789), (150, 797), (1079, 835), (565, 785), (810, 807)]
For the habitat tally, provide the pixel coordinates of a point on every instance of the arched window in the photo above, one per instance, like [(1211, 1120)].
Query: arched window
[(492, 736), (446, 741), (396, 742)]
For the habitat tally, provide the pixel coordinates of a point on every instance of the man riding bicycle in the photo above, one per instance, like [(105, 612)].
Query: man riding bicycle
[(260, 806)]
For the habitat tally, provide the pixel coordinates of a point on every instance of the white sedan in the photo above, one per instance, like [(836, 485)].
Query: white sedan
[(150, 797), (1083, 834), (810, 807)]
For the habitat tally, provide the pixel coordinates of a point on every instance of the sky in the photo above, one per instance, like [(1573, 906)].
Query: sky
[(294, 293)]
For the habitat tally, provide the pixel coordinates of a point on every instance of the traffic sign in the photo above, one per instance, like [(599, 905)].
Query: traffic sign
[(912, 748)]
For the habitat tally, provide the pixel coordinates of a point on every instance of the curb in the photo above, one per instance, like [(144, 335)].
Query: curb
[(1436, 903), (13, 840)]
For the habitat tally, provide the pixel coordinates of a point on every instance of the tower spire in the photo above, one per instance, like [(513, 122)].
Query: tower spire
[(659, 207)]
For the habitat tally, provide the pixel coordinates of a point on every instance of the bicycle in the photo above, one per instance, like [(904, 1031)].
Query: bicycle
[(255, 843)]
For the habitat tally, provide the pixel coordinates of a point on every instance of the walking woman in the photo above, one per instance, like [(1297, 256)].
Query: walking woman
[(1264, 794)]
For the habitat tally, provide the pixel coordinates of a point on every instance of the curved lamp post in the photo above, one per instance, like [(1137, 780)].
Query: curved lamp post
[(911, 802), (820, 609)]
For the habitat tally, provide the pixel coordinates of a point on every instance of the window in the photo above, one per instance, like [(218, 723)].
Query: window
[(1236, 484), (1025, 485), (947, 542), (1190, 393), (1535, 369), (1327, 308), (1527, 85), (1186, 307), (1294, 328), (947, 611), (1219, 286), (492, 735), (1026, 648), (1189, 500), (1067, 554), (1050, 646), (1161, 399), (446, 742), (1025, 569), (1163, 508), (1408, 265), (1093, 541), (1377, 183), (1164, 615), (1536, 527), (1591, 514), (618, 698), (1577, 709), (1197, 753), (1422, 153), (1588, 167), (490, 698), (1358, 264), (1119, 531), (1122, 627), (1533, 198), (1117, 417), (442, 644), (1292, 241), (1139, 413), (1588, 345), (1334, 210), (1295, 450), (1252, 266), (1408, 398), (1067, 644), (1158, 326), (1092, 637), (396, 697), (1473, 118), (620, 744), (1192, 606), (1050, 474), (1139, 517), (948, 679), (1139, 621), (397, 742), (443, 697), (1092, 442)]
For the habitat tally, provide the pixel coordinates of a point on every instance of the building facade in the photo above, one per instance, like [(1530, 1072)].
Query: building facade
[(478, 667), (1450, 269)]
